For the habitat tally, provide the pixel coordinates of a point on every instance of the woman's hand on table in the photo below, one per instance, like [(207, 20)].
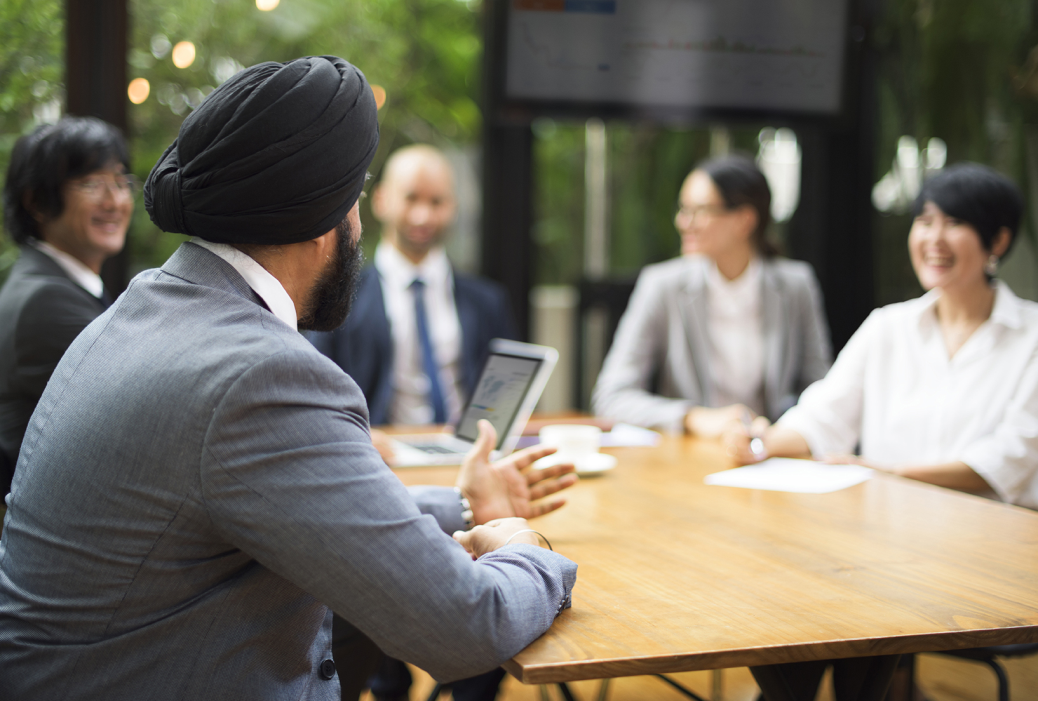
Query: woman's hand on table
[(494, 534), (744, 440), (511, 486), (707, 422)]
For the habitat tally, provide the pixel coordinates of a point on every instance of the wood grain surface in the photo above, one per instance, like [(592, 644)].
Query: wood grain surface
[(675, 575)]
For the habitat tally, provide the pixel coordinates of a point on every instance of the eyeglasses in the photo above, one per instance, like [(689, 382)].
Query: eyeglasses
[(95, 187), (693, 213)]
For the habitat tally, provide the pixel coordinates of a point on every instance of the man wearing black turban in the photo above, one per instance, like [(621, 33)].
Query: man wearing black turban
[(197, 484)]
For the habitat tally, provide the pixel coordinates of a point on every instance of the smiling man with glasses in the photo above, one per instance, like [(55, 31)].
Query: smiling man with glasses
[(67, 204)]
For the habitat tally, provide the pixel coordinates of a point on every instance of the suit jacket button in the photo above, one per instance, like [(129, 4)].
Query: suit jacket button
[(327, 669)]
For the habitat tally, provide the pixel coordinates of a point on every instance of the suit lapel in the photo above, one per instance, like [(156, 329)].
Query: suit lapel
[(692, 304), (368, 320), (468, 318), (775, 327)]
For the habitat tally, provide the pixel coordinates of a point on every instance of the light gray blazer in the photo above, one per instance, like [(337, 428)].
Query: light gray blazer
[(658, 366), (196, 485)]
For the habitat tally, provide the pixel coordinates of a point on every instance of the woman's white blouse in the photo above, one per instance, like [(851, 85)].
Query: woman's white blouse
[(894, 390)]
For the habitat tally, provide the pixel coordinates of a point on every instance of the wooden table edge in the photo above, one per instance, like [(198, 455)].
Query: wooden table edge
[(580, 670)]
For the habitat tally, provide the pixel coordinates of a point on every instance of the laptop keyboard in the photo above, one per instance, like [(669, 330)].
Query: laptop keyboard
[(435, 448)]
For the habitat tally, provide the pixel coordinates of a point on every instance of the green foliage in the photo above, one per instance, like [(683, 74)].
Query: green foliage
[(31, 70), (956, 70), (425, 53), (646, 164)]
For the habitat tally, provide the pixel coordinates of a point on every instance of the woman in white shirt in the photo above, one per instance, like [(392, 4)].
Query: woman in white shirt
[(725, 332), (944, 388)]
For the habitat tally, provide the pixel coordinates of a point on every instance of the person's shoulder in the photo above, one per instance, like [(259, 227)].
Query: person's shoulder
[(478, 282), (674, 272), (42, 296), (789, 269)]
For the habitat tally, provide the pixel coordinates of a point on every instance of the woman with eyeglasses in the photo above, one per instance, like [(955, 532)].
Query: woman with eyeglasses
[(944, 388), (67, 203), (725, 333)]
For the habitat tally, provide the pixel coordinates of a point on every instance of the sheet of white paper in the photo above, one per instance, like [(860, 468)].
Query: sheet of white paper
[(788, 475)]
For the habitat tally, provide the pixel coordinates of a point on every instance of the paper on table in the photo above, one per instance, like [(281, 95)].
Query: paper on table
[(789, 475)]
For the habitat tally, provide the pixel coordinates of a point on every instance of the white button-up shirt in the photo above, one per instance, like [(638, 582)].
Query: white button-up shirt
[(73, 267), (410, 403), (736, 331), (894, 389), (268, 287)]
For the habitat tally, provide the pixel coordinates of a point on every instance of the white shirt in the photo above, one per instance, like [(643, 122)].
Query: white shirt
[(268, 287), (410, 403), (736, 335), (894, 389), (73, 267)]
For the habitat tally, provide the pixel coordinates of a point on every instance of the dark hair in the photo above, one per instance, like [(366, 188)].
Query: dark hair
[(978, 195), (740, 183), (45, 159)]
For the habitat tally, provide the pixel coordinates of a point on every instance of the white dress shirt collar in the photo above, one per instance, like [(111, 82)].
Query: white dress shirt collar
[(397, 270), (73, 267), (743, 291), (1005, 312), (268, 287)]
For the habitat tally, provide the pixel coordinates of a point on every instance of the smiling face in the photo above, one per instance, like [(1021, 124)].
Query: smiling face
[(92, 225), (415, 202), (947, 252), (706, 224)]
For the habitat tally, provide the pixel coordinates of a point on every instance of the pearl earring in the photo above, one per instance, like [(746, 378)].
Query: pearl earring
[(991, 266)]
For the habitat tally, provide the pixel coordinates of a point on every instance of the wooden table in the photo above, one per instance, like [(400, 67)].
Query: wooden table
[(676, 575)]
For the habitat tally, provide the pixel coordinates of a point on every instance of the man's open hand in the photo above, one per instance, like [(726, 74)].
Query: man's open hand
[(511, 486)]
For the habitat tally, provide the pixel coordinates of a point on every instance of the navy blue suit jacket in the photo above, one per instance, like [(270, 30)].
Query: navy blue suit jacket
[(363, 345)]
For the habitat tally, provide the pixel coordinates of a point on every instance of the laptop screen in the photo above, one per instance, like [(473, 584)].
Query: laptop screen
[(503, 385)]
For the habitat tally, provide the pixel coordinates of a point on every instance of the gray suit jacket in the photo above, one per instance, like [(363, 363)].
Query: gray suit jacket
[(658, 366), (196, 485)]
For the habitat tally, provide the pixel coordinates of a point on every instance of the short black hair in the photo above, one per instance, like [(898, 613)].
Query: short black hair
[(740, 183), (45, 159), (978, 195)]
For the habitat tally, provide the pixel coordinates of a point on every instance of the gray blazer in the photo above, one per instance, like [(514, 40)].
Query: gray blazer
[(658, 366), (196, 487)]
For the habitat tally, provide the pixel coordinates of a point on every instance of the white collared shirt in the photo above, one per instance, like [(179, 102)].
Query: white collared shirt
[(268, 287), (73, 267), (410, 403), (894, 389), (736, 336)]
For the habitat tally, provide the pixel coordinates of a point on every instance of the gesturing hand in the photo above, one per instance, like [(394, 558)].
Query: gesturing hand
[(510, 486)]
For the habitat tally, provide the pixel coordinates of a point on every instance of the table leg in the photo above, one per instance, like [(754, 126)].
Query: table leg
[(856, 679)]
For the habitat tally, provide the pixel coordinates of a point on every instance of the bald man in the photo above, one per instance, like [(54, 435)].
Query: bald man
[(411, 372)]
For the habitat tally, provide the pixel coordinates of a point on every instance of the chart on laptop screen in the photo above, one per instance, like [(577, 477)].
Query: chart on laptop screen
[(761, 54), (499, 395)]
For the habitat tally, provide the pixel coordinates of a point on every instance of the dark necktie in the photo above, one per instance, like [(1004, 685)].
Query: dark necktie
[(439, 406)]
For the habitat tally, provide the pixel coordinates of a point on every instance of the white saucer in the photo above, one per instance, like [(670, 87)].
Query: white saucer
[(587, 465)]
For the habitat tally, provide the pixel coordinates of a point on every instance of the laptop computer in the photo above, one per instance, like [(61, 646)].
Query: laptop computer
[(509, 386)]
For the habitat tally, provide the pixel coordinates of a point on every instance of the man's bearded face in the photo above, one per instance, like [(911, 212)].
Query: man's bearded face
[(333, 292)]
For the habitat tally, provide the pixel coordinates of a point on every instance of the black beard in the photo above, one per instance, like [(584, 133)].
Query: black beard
[(332, 294)]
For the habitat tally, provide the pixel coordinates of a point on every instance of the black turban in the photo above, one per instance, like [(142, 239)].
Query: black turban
[(276, 155)]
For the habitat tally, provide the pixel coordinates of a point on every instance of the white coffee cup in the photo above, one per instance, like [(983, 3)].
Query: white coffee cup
[(572, 440)]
